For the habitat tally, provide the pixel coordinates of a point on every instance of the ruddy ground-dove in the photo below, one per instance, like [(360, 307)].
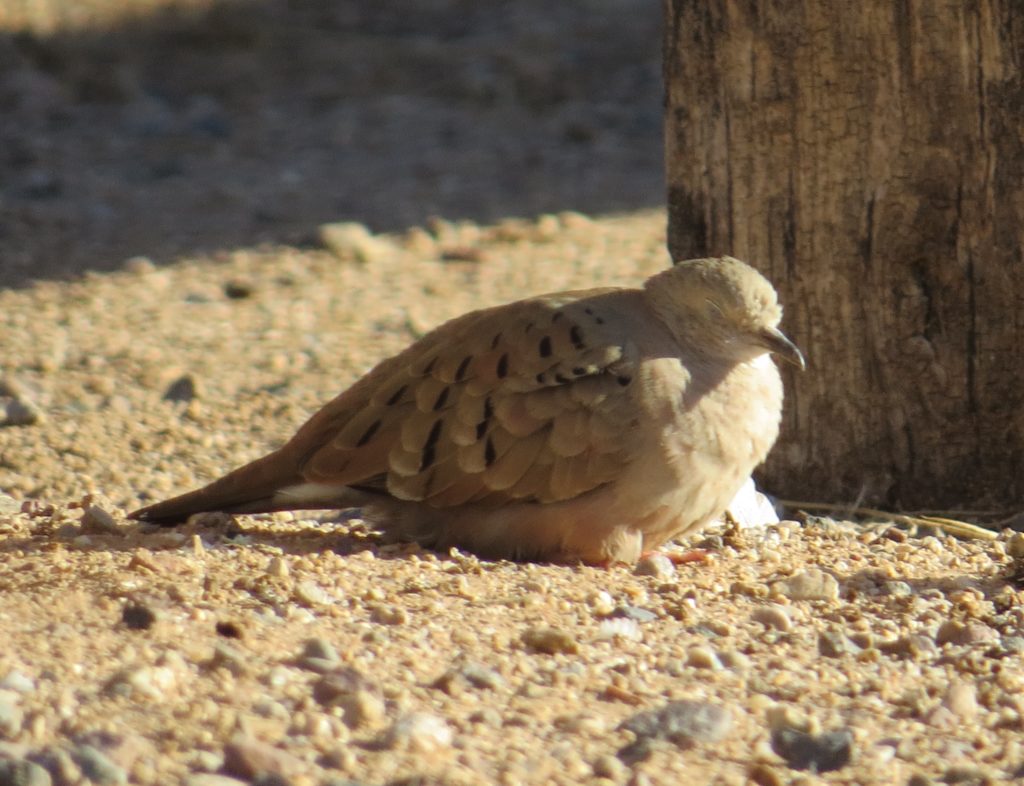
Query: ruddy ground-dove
[(589, 425)]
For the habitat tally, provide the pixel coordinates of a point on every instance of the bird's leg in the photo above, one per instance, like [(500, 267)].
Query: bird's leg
[(681, 557)]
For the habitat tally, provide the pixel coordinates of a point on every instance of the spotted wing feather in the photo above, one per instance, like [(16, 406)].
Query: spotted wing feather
[(496, 406)]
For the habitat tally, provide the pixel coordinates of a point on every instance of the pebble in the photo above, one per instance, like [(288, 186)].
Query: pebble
[(9, 505), (11, 715), (601, 603), (915, 645), (20, 772), (656, 565), (962, 700), (808, 585), (150, 682), (550, 641), (250, 758), (635, 613), (319, 655), (389, 615), (311, 594), (97, 521), (184, 389), (97, 766), (955, 632), (278, 568), (465, 675), (683, 722), (1015, 545), (21, 412), (350, 240), (358, 698), (833, 644), (815, 752), (59, 764), (618, 628), (230, 658), (18, 681), (611, 767), (773, 616), (419, 732), (701, 657)]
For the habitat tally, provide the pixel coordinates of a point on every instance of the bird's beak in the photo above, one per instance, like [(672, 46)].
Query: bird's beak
[(776, 342)]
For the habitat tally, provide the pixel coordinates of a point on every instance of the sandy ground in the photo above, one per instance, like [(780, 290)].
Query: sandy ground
[(180, 336)]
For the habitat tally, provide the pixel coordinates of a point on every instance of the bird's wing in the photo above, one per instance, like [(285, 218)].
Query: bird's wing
[(528, 402)]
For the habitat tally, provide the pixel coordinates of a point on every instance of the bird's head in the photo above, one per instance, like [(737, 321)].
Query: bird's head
[(722, 307)]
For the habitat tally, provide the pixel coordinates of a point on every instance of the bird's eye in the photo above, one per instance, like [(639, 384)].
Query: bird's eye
[(714, 310)]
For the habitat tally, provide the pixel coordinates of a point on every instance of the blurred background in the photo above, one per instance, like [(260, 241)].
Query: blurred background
[(170, 128)]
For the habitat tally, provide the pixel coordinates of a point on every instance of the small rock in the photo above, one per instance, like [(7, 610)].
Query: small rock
[(20, 772), (11, 715), (361, 708), (21, 412), (9, 505), (763, 775), (277, 568), (466, 675), (773, 616), (97, 766), (358, 697), (389, 615), (1015, 545), (703, 658), (914, 645), (618, 628), (58, 763), (955, 632), (897, 589), (814, 752), (320, 651), (635, 613), (962, 700), (250, 758), (351, 240), (1012, 644), (833, 644), (683, 722), (419, 732), (550, 641), (601, 603), (230, 658), (184, 389), (137, 616), (657, 565), (311, 594), (96, 521), (17, 681), (611, 767), (139, 266), (809, 585), (238, 288)]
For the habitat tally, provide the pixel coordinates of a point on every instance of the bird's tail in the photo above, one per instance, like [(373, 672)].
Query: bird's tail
[(254, 488)]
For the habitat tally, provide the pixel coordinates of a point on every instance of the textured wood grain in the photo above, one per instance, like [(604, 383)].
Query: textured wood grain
[(870, 158)]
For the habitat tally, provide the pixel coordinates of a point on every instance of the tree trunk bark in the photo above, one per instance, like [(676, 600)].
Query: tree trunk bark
[(869, 158)]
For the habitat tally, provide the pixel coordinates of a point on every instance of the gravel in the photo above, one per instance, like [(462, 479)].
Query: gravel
[(900, 653)]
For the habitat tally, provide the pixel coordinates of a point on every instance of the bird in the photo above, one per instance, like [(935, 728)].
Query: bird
[(580, 427)]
